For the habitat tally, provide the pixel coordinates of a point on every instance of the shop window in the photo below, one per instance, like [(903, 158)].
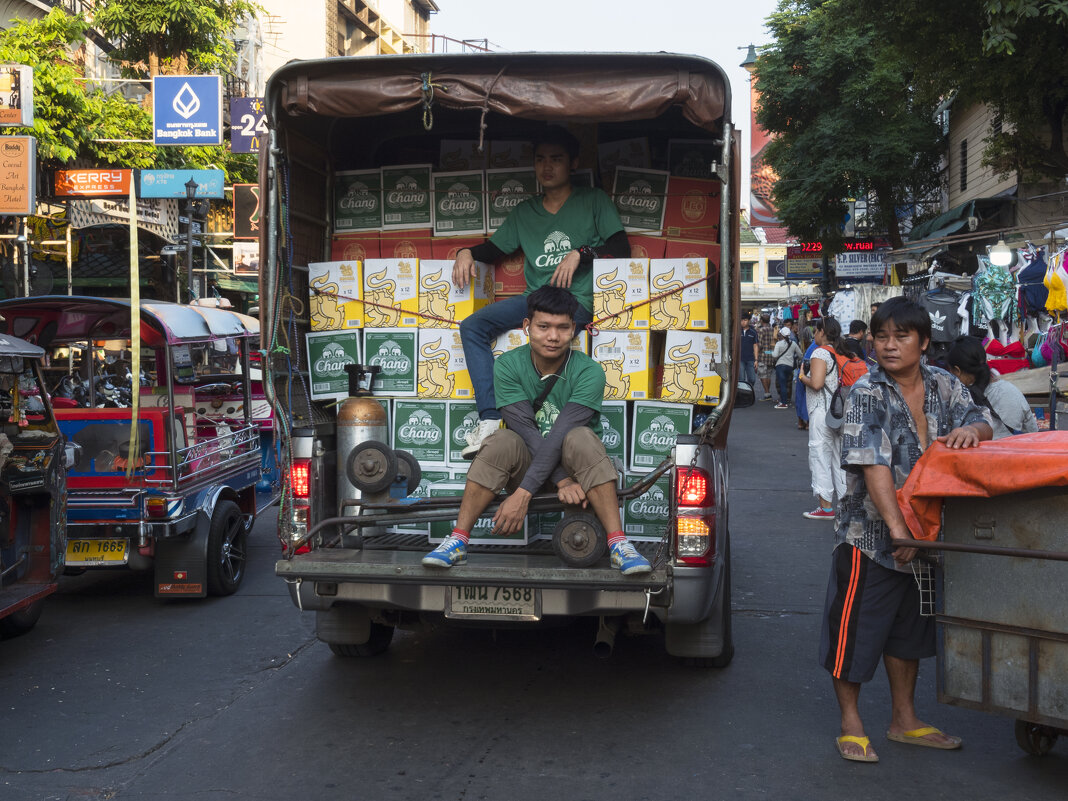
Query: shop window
[(747, 271), (963, 165)]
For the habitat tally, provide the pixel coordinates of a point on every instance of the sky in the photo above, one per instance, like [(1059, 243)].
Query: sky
[(720, 30)]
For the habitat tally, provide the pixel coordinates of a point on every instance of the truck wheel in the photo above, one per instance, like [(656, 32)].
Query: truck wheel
[(683, 638), (227, 540), (1035, 739), (408, 466), (579, 539), (371, 467), (377, 643), (21, 621)]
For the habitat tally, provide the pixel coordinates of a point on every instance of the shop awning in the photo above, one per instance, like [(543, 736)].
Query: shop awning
[(250, 286), (958, 217)]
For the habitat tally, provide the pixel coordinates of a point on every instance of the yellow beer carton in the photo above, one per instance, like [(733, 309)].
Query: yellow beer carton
[(441, 303), (391, 293), (682, 309), (624, 355), (441, 367), (690, 362), (335, 296), (620, 285)]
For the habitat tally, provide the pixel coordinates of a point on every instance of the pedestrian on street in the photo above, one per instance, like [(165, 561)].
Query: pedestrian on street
[(800, 401), (824, 444), (872, 607), (749, 348), (1011, 412), (766, 345), (785, 353)]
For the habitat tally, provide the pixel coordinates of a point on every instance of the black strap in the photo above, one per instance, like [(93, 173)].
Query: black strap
[(550, 382)]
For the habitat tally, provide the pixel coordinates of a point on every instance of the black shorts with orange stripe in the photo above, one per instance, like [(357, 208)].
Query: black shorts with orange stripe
[(870, 611)]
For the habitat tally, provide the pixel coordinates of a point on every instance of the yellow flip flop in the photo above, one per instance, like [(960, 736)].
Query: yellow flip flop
[(863, 742), (918, 737)]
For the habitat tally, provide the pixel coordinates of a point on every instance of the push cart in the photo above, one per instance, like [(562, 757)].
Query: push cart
[(1002, 610)]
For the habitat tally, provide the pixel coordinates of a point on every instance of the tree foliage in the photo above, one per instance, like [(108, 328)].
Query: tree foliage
[(846, 122)]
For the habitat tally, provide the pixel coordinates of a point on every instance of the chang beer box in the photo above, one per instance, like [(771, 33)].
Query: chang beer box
[(463, 417), (620, 292), (441, 368), (429, 477), (482, 532), (406, 197), (640, 197), (328, 353), (509, 340), (419, 428), (441, 303), (624, 355), (654, 429), (506, 189), (678, 303), (689, 367), (614, 429), (391, 293), (459, 203), (645, 518), (335, 295), (358, 201), (392, 350)]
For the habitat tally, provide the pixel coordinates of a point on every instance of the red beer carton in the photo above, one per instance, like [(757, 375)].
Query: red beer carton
[(412, 244), (647, 247), (355, 247), (692, 209)]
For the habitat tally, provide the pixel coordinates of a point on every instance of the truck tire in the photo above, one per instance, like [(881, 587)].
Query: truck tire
[(1034, 738), (377, 643), (227, 551), (21, 621), (681, 639)]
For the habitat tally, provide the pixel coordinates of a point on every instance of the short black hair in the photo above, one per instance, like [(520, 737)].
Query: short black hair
[(851, 347), (558, 135), (858, 327), (551, 300), (904, 314)]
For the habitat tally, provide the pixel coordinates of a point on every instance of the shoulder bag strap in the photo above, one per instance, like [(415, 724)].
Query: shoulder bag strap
[(549, 382)]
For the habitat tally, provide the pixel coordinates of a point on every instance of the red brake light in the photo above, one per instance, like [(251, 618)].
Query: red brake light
[(691, 488), (299, 477)]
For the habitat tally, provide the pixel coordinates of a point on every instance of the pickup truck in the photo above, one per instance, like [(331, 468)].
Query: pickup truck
[(362, 578)]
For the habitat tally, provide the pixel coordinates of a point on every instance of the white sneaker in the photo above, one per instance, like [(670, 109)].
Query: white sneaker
[(477, 435)]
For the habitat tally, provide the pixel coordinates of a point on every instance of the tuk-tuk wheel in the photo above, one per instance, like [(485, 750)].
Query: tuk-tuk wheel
[(227, 550), (21, 621), (1034, 738), (579, 540)]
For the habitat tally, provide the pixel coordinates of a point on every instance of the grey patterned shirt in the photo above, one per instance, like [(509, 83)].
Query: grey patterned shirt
[(879, 430)]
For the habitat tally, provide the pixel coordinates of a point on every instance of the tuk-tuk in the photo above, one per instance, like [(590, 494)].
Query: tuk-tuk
[(177, 492), (33, 532)]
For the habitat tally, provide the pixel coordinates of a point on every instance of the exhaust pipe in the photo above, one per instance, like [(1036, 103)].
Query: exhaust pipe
[(605, 640)]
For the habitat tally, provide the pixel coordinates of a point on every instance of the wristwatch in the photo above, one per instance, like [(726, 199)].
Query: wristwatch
[(586, 254)]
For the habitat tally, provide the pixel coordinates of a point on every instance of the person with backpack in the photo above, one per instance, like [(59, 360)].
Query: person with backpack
[(787, 356), (821, 378), (1011, 412)]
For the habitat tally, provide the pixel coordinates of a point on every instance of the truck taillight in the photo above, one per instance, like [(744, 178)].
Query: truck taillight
[(299, 473), (695, 521)]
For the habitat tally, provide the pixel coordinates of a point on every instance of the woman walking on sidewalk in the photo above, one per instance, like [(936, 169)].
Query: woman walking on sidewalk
[(785, 353), (824, 445)]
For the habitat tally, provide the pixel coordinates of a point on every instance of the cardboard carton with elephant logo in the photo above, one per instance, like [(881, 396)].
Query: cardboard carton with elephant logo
[(689, 367), (391, 293), (481, 532), (441, 365), (620, 292), (624, 355), (328, 353), (335, 295), (654, 428), (645, 517), (441, 303), (419, 427), (392, 350), (678, 303)]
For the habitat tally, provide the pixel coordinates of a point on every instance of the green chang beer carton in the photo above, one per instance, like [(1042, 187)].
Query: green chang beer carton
[(393, 351), (459, 203), (357, 201), (655, 426), (506, 189), (645, 517), (463, 417), (328, 353), (429, 478), (419, 428), (614, 429), (406, 201), (482, 533), (640, 197)]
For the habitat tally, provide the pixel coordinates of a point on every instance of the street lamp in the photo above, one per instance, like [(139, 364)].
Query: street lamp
[(1001, 254), (190, 196)]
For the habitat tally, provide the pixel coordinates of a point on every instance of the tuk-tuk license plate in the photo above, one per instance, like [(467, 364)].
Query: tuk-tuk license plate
[(95, 553), (493, 603)]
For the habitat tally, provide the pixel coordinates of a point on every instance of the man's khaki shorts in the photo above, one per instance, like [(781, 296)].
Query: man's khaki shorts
[(504, 459)]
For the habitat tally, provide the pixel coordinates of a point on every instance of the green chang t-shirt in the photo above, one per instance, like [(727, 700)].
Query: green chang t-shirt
[(581, 381), (588, 217)]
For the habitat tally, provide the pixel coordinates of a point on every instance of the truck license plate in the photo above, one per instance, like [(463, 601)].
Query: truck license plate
[(493, 603), (96, 553)]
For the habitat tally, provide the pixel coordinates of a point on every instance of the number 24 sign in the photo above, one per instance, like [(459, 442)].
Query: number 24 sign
[(248, 124)]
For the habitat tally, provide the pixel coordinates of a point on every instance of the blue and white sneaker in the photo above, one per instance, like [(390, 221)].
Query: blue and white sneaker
[(626, 557), (453, 551)]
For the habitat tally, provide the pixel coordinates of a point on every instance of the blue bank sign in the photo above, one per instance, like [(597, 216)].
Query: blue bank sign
[(171, 183), (187, 110)]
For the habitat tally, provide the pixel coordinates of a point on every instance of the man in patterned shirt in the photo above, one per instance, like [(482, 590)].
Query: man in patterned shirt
[(872, 610), (765, 361)]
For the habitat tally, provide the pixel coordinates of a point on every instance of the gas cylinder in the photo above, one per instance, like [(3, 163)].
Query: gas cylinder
[(360, 419)]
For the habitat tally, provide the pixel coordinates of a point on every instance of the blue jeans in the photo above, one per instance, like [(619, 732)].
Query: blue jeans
[(478, 332), (747, 372), (784, 374)]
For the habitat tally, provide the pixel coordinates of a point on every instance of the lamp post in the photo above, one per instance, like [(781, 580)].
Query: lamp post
[(190, 195)]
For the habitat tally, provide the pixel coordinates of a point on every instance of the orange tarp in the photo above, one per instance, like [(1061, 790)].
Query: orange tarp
[(1012, 464)]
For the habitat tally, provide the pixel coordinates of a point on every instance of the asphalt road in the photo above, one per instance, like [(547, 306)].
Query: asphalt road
[(116, 695)]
